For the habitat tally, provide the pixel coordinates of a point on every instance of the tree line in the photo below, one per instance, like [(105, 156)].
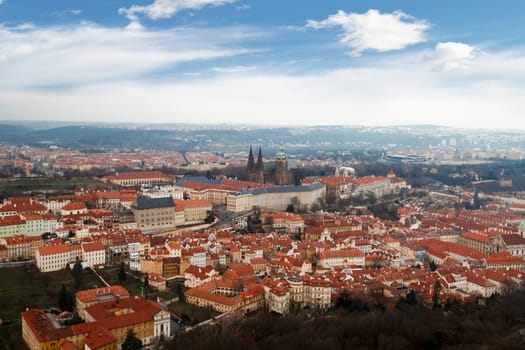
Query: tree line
[(359, 324)]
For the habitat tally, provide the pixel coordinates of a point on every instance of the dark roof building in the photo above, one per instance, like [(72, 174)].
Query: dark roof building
[(150, 203), (153, 214)]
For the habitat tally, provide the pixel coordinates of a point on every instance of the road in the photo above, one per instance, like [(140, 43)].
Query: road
[(16, 263)]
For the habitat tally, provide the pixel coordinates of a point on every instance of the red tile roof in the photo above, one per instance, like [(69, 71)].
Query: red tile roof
[(191, 202), (476, 236), (351, 252), (132, 175), (513, 239), (57, 249), (11, 220), (91, 295), (107, 313), (91, 247), (74, 206)]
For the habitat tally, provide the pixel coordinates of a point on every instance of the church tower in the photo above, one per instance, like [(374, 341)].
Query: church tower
[(281, 167), (259, 167), (250, 166), (255, 170)]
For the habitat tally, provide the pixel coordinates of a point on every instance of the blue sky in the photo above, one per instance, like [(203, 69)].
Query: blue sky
[(354, 62)]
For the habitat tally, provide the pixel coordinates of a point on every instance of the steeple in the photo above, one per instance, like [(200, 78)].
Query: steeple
[(251, 161), (260, 164)]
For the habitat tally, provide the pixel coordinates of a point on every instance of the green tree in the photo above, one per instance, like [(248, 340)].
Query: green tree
[(131, 342), (65, 299), (77, 273), (210, 217), (319, 204), (180, 292), (62, 297), (476, 204), (433, 266), (146, 286), (411, 298), (296, 202), (435, 296), (122, 273)]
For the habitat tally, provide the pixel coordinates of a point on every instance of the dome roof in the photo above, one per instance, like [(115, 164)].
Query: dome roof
[(522, 226), (280, 153)]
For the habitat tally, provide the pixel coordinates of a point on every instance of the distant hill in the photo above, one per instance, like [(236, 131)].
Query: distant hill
[(188, 137), (12, 133)]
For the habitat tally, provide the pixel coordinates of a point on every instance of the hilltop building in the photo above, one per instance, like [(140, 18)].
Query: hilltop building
[(277, 172), (276, 198), (137, 178)]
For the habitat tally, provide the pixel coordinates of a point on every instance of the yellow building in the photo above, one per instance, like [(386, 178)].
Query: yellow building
[(89, 297), (21, 247), (222, 297), (195, 210), (42, 331), (147, 319)]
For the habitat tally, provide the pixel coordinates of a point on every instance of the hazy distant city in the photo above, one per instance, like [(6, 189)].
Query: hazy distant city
[(192, 228), (239, 174)]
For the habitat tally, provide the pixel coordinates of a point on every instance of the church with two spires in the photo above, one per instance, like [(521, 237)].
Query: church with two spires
[(276, 172)]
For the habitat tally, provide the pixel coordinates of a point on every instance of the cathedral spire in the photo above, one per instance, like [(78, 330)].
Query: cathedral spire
[(251, 160), (260, 164)]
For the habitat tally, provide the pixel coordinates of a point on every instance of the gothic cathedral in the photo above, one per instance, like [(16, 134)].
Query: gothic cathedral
[(276, 173)]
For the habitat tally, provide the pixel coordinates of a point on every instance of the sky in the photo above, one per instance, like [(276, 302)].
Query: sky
[(266, 62)]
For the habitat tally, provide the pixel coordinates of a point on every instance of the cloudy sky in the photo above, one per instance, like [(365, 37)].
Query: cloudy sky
[(311, 62)]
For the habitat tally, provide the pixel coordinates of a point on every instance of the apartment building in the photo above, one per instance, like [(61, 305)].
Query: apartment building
[(21, 247), (93, 254), (147, 319), (137, 178), (343, 257), (154, 213), (57, 257), (195, 210)]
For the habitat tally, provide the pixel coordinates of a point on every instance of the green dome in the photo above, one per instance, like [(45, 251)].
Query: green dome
[(280, 153), (522, 226)]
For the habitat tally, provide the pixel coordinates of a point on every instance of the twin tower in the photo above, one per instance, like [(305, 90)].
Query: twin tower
[(276, 172)]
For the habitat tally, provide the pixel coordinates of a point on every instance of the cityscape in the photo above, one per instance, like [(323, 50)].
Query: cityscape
[(238, 174)]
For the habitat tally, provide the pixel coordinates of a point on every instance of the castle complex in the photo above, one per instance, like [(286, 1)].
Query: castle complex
[(276, 172)]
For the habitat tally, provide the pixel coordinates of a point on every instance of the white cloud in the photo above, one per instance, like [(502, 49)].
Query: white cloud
[(243, 7), (235, 69), (63, 13), (453, 55), (168, 8), (485, 95), (375, 31), (99, 74), (88, 53)]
